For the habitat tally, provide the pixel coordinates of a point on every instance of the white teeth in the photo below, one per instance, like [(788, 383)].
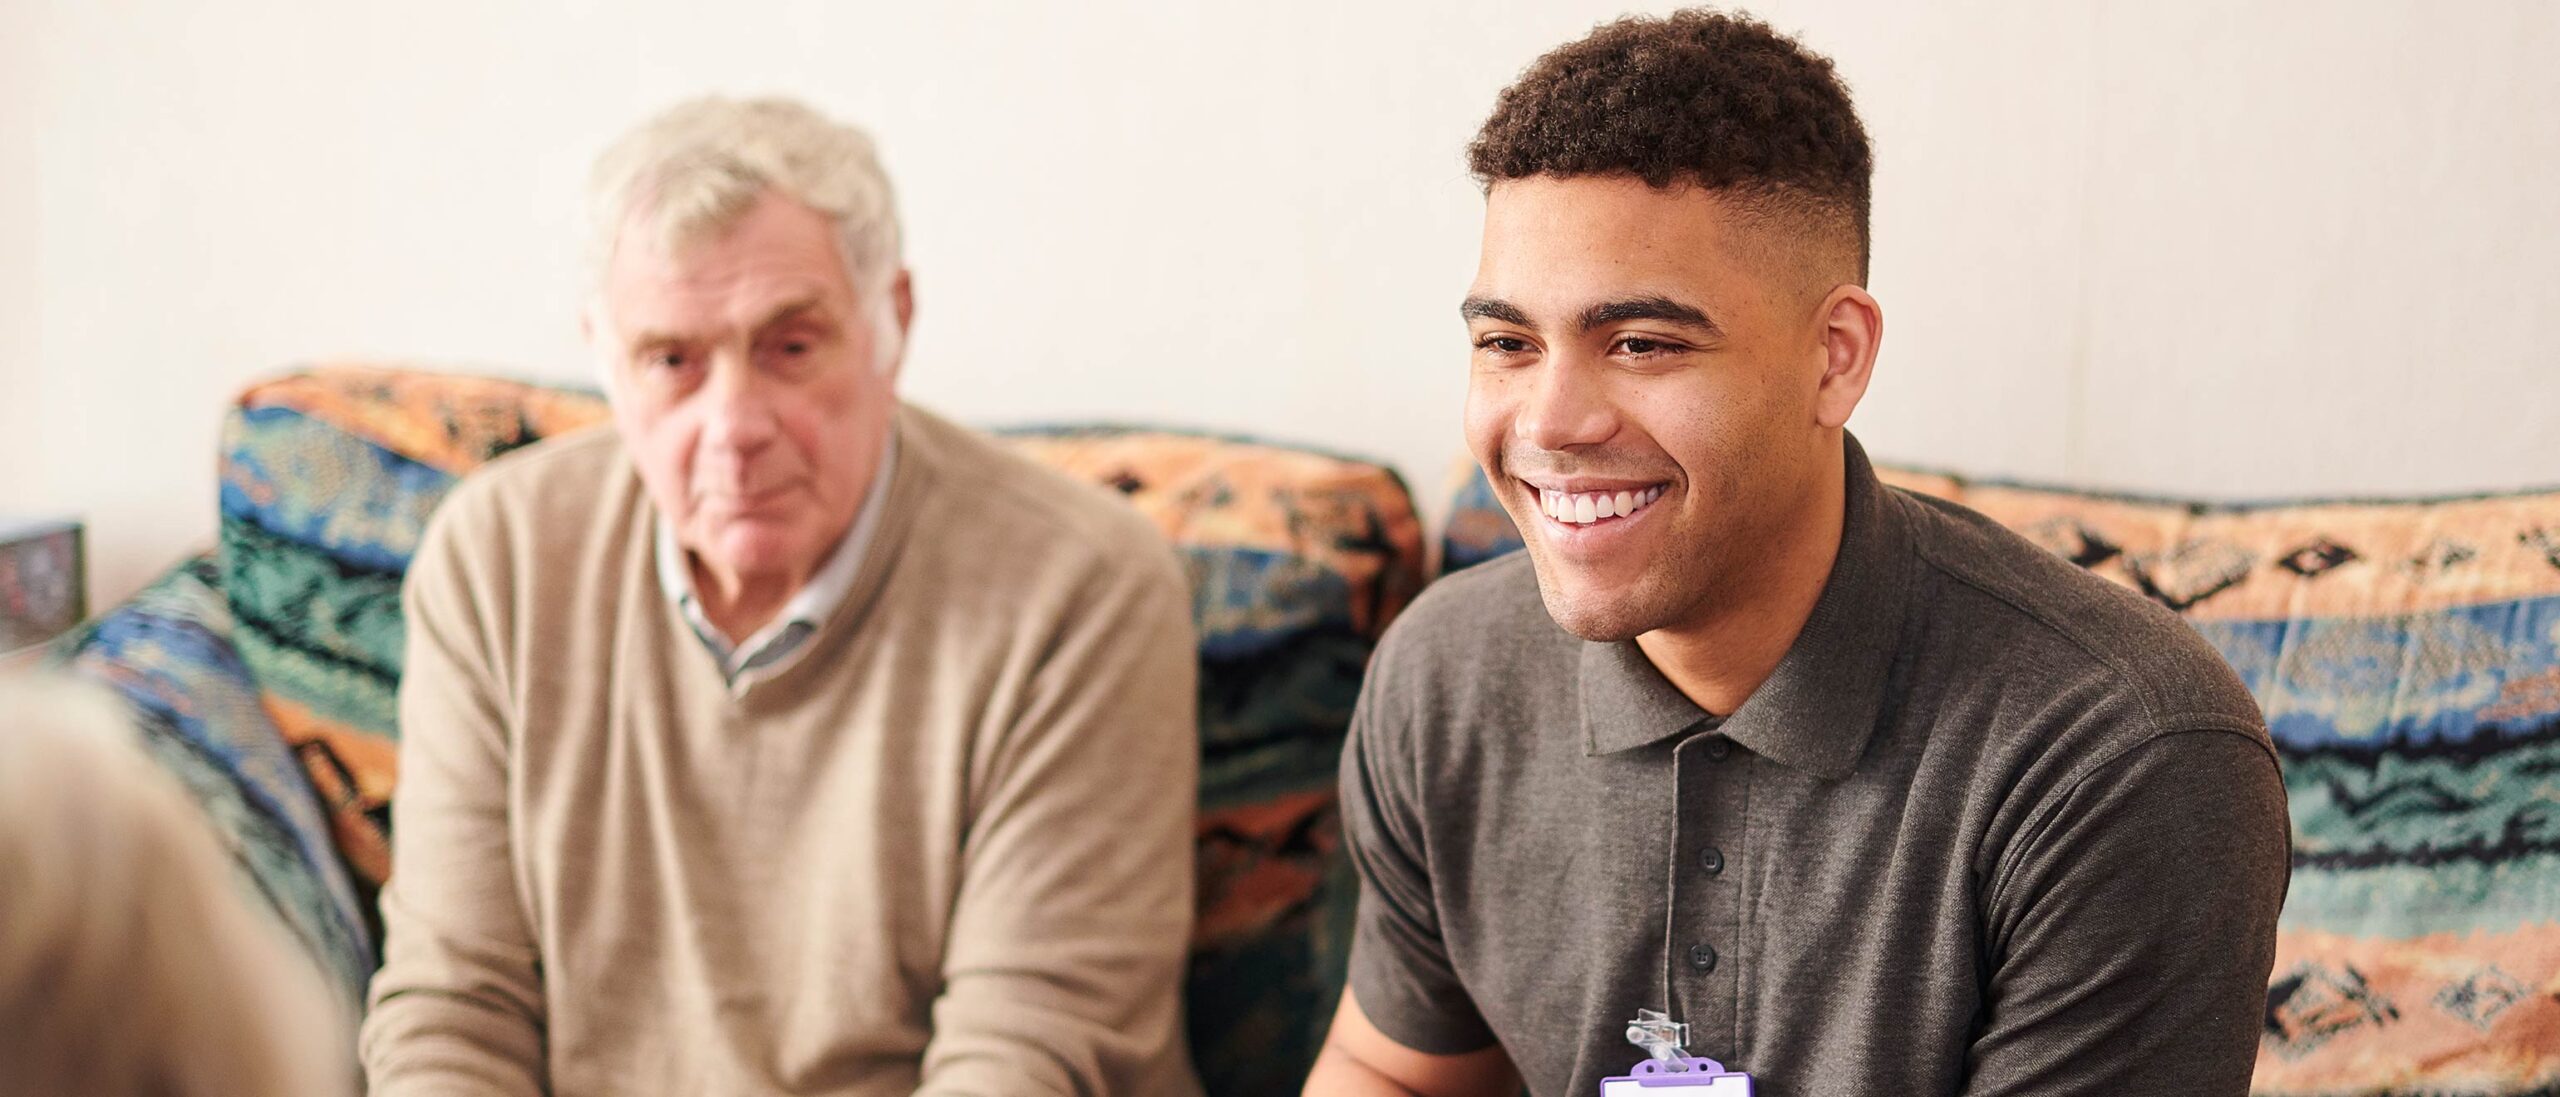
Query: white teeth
[(1588, 507)]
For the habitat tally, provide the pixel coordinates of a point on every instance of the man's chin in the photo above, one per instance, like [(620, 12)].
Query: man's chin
[(1587, 602), (1602, 618), (746, 550)]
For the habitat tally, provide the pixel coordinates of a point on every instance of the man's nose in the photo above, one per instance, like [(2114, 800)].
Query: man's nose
[(1566, 406), (741, 418)]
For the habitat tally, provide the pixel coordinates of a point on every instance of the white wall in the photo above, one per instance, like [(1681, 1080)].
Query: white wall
[(23, 476), (2239, 249)]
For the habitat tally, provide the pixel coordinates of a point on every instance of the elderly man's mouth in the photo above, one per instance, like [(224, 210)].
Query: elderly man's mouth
[(743, 501)]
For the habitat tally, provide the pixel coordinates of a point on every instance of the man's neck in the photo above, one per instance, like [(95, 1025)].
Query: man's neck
[(1722, 657), (741, 605)]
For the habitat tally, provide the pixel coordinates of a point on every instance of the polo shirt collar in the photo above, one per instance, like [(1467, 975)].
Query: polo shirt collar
[(1819, 707)]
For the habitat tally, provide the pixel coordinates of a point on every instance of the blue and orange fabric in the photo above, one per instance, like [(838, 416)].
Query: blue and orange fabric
[(2407, 658), (1298, 561), (168, 652), (327, 480)]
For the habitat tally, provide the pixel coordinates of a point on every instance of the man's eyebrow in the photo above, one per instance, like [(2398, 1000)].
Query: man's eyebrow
[(789, 310), (1663, 309), (1490, 308), (655, 338)]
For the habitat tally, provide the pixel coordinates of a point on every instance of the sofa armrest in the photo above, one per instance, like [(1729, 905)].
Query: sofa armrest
[(167, 653)]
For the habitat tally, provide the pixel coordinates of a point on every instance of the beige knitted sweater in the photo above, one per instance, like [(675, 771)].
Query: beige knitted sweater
[(947, 851)]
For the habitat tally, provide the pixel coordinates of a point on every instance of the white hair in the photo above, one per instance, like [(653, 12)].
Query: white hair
[(131, 962), (699, 166)]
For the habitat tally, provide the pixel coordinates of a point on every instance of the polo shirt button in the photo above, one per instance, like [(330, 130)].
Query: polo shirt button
[(1718, 748), (1702, 958), (1711, 861)]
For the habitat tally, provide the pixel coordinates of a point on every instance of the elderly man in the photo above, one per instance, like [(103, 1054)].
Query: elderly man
[(784, 738)]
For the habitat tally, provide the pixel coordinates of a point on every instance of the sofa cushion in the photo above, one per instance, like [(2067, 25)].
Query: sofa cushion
[(2407, 658)]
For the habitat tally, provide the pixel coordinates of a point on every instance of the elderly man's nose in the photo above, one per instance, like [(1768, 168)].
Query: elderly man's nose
[(741, 417)]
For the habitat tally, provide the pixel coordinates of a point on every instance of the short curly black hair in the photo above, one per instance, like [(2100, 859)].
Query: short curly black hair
[(1697, 97)]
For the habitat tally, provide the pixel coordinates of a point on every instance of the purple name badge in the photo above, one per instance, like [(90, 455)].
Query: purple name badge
[(1701, 1077)]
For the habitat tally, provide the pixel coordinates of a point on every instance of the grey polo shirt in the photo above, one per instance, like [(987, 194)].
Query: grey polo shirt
[(1994, 826)]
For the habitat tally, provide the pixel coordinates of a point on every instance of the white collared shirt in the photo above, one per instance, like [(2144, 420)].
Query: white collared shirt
[(777, 644)]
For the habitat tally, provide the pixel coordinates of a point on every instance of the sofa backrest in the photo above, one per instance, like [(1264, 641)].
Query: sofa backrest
[(327, 479), (1298, 560), (2407, 658)]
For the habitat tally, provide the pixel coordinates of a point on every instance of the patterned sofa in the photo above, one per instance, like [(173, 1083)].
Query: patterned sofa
[(263, 673), (2407, 655)]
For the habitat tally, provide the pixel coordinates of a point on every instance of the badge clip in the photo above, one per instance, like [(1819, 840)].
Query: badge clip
[(1668, 1067)]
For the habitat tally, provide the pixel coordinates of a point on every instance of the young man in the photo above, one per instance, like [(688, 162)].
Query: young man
[(1871, 795)]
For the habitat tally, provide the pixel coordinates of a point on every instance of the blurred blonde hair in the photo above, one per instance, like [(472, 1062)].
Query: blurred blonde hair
[(130, 961)]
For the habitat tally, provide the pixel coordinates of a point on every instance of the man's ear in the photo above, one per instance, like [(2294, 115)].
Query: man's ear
[(902, 304), (1852, 328)]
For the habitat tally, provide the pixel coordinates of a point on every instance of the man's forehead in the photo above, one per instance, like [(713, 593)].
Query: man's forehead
[(1559, 245), (746, 272)]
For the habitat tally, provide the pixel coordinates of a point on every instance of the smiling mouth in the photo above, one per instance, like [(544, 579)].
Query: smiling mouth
[(1591, 508)]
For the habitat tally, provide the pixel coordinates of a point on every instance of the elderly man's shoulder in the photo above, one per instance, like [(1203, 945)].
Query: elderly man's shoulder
[(985, 493), (536, 486)]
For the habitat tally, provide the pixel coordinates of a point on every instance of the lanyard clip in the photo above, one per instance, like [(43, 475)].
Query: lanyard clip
[(1661, 1037)]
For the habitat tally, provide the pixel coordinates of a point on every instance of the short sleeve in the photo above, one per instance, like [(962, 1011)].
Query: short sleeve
[(1400, 969), (2132, 930)]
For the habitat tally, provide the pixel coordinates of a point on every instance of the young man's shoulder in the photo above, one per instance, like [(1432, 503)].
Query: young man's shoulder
[(1458, 617), (2005, 603)]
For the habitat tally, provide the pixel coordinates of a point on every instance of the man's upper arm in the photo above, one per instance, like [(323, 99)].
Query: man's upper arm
[(2131, 932), (1064, 963), (1400, 967), (1360, 1061), (459, 997)]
